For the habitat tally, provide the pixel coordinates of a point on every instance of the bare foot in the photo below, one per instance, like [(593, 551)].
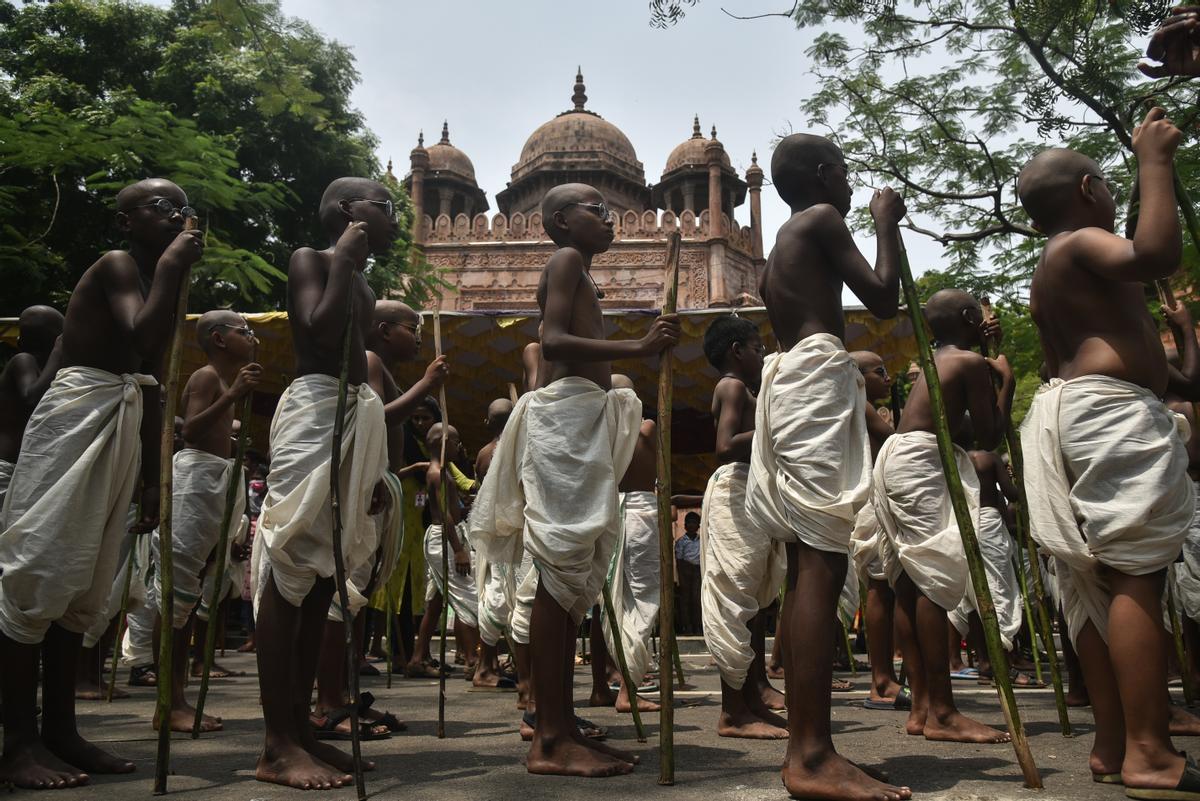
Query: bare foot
[(78, 752), (915, 725), (297, 768), (958, 728), (772, 698), (1078, 698), (328, 754), (608, 750), (887, 692), (749, 726), (29, 769), (602, 697), (775, 671), (1183, 723), (644, 704), (569, 757), (86, 691), (183, 717), (217, 672), (833, 777)]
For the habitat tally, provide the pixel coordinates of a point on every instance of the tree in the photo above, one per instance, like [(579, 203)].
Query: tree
[(246, 109)]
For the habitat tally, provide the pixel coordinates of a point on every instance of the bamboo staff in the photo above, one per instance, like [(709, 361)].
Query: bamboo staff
[(339, 562), (1019, 565), (443, 494), (389, 627), (962, 514), (1189, 689), (1025, 535), (849, 650), (614, 626), (679, 677), (123, 619), (166, 483), (214, 603), (666, 609)]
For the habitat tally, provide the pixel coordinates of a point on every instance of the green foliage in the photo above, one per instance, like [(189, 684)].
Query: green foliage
[(246, 109)]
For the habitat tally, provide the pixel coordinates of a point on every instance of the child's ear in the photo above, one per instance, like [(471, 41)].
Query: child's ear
[(122, 222), (344, 207), (1085, 188)]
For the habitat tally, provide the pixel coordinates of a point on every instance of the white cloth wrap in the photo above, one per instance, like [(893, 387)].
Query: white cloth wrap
[(462, 596), (112, 606), (496, 589), (66, 510), (235, 572), (137, 649), (634, 581), (389, 534), (810, 464), (6, 471), (848, 600), (998, 550), (1187, 572), (867, 543), (522, 610), (1107, 484), (295, 528), (552, 486), (914, 509), (741, 570), (197, 507)]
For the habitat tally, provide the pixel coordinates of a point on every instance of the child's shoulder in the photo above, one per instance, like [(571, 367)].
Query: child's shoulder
[(205, 376), (566, 256), (307, 259), (728, 385)]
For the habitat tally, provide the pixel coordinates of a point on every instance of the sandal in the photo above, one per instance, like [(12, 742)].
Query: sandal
[(143, 676), (1019, 679), (366, 701), (424, 670), (586, 727), (840, 686), (1188, 788), (328, 729)]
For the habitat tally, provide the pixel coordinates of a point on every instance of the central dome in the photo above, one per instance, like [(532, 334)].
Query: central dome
[(445, 157)]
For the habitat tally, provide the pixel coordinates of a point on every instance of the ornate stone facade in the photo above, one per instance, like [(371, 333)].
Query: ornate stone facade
[(494, 263)]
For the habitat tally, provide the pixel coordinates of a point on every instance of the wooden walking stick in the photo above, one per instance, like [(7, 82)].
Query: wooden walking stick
[(680, 679), (666, 608), (1025, 537), (443, 495), (962, 514), (339, 561), (214, 603), (123, 619), (1019, 565), (614, 625), (166, 572), (389, 628)]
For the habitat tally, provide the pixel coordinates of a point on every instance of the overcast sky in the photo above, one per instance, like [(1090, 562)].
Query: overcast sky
[(497, 70)]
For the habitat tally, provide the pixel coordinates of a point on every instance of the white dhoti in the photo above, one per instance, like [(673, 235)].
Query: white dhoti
[(6, 471), (741, 570), (66, 510), (294, 539), (235, 573), (461, 594), (522, 609), (634, 581), (868, 544), (1107, 484), (914, 509), (552, 487), (1187, 572), (810, 464), (137, 648), (201, 480), (998, 550)]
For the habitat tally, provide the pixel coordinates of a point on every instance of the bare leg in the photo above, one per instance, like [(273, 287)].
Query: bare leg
[(487, 672), (333, 694), (737, 719), (769, 697), (775, 666), (280, 631), (881, 602), (417, 665), (644, 704), (906, 633), (182, 714), (522, 661), (555, 748), (602, 694), (812, 768), (1191, 638), (1108, 750)]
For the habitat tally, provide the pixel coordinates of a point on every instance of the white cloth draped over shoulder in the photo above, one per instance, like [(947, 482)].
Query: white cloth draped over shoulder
[(741, 569), (1107, 484), (998, 550), (197, 507), (914, 509), (66, 510), (295, 529), (810, 464), (554, 492), (634, 579)]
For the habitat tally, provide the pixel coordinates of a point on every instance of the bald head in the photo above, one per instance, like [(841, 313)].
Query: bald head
[(945, 312), (39, 326), (559, 198), (1048, 185), (213, 321), (866, 359), (433, 439), (394, 311), (332, 219), (498, 412), (621, 381), (794, 164), (146, 190)]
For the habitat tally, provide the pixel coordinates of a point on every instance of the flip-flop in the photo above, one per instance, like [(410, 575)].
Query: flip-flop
[(886, 705), (503, 685), (329, 729), (965, 674), (1188, 788), (586, 727), (1015, 677), (1107, 778), (841, 686)]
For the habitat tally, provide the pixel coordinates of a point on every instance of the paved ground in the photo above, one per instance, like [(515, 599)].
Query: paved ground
[(480, 757)]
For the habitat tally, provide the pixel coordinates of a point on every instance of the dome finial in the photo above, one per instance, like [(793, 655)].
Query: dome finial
[(696, 128), (389, 168), (421, 138), (714, 133), (754, 157), (580, 97), (445, 133)]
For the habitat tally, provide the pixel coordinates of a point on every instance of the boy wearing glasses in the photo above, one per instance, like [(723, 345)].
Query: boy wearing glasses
[(202, 471), (923, 557), (293, 561), (810, 462), (66, 509), (552, 486), (1106, 461), (741, 567)]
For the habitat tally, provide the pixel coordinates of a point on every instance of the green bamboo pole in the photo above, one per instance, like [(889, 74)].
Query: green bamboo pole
[(614, 626), (339, 562), (849, 651), (166, 482), (389, 627), (214, 603), (1189, 689), (1016, 458), (123, 619), (962, 514), (666, 608), (444, 507), (1018, 564)]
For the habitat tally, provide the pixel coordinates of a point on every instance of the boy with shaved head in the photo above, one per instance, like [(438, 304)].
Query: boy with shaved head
[(553, 482), (293, 562), (202, 471), (1106, 462), (924, 559), (25, 380), (810, 461), (65, 513)]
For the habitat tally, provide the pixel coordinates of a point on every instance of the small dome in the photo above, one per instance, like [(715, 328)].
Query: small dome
[(690, 153), (445, 157)]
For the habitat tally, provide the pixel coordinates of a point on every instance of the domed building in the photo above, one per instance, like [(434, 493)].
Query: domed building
[(494, 263)]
